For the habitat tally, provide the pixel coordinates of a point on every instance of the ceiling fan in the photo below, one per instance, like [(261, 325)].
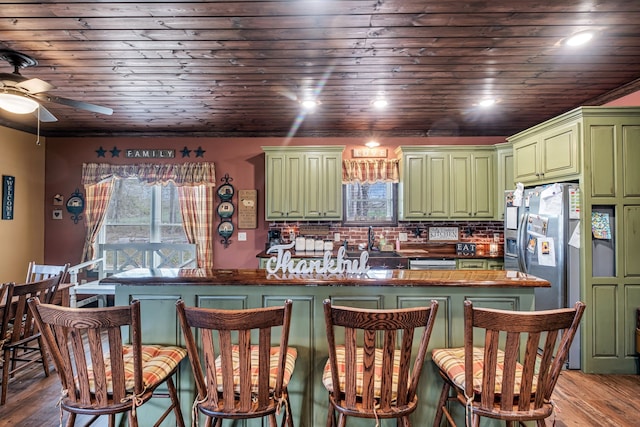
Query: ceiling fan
[(21, 95)]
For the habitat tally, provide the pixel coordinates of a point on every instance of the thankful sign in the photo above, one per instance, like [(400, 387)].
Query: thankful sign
[(283, 262)]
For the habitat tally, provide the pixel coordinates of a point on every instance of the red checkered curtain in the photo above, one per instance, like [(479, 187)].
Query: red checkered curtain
[(195, 183), (197, 208), (97, 198), (370, 171)]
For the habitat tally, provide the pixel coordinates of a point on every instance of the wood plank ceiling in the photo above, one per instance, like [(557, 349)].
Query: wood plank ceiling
[(241, 68)]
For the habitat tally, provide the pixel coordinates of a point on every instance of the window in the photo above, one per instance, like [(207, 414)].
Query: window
[(370, 204), (140, 213)]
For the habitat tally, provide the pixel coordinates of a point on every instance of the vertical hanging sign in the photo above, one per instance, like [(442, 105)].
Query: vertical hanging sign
[(8, 196)]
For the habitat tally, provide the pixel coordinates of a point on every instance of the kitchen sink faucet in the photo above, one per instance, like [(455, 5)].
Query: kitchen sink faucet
[(370, 238)]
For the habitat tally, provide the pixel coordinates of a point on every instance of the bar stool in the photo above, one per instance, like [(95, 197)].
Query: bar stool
[(370, 375), (237, 377), (20, 340), (488, 376), (99, 374)]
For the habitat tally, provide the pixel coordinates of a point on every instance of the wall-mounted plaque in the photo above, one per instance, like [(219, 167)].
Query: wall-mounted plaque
[(247, 208), (443, 233), (370, 152), (466, 249), (137, 153), (8, 196)]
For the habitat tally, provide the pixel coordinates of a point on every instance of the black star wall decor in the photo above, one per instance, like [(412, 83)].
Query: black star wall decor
[(101, 151), (200, 152), (185, 152), (115, 152)]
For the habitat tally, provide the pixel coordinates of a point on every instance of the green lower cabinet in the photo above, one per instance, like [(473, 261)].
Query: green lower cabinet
[(479, 264), (495, 264), (471, 264)]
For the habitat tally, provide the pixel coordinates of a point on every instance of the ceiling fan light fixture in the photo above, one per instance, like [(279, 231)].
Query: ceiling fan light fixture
[(17, 104)]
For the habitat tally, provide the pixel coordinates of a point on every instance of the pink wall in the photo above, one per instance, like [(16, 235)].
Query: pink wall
[(241, 158), (631, 100)]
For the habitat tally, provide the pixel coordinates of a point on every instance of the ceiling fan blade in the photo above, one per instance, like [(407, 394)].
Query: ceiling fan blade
[(44, 115), (73, 103), (35, 86)]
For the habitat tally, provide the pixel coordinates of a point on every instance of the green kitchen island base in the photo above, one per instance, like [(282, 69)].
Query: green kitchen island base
[(158, 291)]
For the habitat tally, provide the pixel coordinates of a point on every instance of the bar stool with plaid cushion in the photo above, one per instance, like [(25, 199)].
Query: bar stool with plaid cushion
[(238, 378), (369, 372), (491, 377), (126, 376)]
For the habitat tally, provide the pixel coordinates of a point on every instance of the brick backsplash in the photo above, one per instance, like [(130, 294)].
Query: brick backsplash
[(469, 231)]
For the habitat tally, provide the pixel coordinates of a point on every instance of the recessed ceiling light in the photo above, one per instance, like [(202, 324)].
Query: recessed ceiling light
[(372, 144), (579, 39), (309, 104), (487, 102), (380, 103)]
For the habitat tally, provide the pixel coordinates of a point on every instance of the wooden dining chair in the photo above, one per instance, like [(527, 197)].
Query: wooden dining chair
[(371, 374), (21, 342), (246, 365), (99, 373), (37, 272), (509, 364)]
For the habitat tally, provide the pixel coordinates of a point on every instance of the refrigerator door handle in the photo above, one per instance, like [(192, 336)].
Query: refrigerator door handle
[(520, 240)]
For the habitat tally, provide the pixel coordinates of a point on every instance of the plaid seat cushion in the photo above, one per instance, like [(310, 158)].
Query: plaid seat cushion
[(451, 362), (377, 382), (157, 362), (290, 363)]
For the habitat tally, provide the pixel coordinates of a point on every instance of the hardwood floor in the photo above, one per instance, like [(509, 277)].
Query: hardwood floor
[(581, 400)]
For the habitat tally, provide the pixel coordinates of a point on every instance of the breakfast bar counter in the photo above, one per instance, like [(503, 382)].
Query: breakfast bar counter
[(394, 278), (159, 289)]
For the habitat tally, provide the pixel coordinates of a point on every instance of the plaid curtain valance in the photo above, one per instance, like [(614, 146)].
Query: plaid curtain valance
[(370, 170), (181, 174)]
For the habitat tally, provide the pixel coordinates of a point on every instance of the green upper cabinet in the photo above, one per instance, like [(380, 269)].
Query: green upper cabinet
[(424, 178), (284, 186), (472, 184), (323, 185), (441, 182), (303, 183), (506, 180), (550, 154)]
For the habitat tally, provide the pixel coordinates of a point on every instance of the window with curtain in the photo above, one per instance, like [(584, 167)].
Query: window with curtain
[(148, 198), (143, 213), (370, 194)]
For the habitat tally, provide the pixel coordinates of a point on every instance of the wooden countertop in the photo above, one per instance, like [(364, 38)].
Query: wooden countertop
[(257, 277), (403, 253), (412, 251)]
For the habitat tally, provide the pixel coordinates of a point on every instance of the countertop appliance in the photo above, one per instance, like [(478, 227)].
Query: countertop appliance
[(537, 238), (274, 237)]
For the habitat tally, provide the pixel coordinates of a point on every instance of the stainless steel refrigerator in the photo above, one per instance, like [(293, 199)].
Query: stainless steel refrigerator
[(537, 236)]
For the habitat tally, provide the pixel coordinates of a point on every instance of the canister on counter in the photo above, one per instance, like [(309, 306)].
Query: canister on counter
[(300, 244), (328, 245), (319, 245), (310, 244)]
